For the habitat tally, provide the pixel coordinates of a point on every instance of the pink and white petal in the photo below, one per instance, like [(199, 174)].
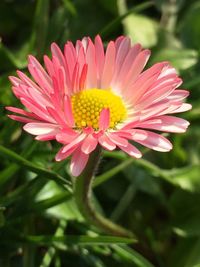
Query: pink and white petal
[(60, 155), (70, 57), (67, 136), (68, 111), (57, 53), (91, 81), (45, 85), (178, 94), (119, 141), (83, 76), (89, 144), (15, 81), (78, 162), (167, 70), (40, 112), (38, 128), (37, 96), (35, 63), (104, 119), (58, 115), (123, 67), (131, 151), (138, 88), (182, 108), (47, 137), (160, 91), (100, 57), (136, 68), (121, 53), (109, 65), (152, 140), (20, 118), (78, 140), (49, 66), (27, 81), (106, 143), (166, 124), (22, 112)]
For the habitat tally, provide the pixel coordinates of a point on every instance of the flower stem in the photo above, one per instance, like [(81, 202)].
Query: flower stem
[(82, 194)]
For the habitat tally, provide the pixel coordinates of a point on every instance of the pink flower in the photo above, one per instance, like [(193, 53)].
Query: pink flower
[(87, 97)]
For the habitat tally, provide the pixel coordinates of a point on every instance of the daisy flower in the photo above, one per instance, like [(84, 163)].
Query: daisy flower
[(85, 97)]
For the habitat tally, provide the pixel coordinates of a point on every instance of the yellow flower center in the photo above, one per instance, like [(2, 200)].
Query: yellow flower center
[(88, 104)]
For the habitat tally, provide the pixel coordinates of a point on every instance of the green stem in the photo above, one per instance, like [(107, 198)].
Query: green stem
[(82, 194)]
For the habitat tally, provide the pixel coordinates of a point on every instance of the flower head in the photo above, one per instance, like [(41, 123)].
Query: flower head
[(86, 96)]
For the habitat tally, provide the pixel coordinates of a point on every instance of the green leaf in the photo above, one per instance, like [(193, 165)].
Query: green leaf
[(180, 58), (40, 27), (186, 178), (185, 253), (131, 256), (140, 28), (7, 153), (186, 213), (190, 26), (79, 239), (110, 26), (57, 203)]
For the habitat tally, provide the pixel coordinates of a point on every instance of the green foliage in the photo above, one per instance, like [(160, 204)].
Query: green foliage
[(156, 197)]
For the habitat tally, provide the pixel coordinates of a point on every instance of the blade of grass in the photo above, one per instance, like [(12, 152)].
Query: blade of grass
[(109, 27), (49, 255), (131, 256), (9, 154), (79, 239)]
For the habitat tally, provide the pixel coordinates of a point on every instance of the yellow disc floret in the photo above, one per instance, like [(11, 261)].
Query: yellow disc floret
[(88, 104)]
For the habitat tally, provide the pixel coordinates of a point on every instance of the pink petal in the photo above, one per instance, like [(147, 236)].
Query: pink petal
[(92, 68), (108, 66), (126, 64), (183, 107), (75, 142), (166, 124), (106, 143), (67, 136), (20, 118), (89, 144), (15, 81), (78, 162), (131, 151), (28, 81), (57, 115), (38, 128), (178, 95), (63, 155), (57, 53), (47, 137), (38, 76), (100, 58), (104, 119), (137, 89), (49, 65), (35, 63), (119, 141), (39, 111), (136, 68), (121, 54), (68, 111), (152, 140), (70, 57), (22, 112)]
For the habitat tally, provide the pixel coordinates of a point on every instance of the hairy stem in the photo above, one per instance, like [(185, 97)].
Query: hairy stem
[(82, 194)]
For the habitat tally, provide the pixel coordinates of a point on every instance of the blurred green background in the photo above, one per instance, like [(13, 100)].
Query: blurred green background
[(157, 197)]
